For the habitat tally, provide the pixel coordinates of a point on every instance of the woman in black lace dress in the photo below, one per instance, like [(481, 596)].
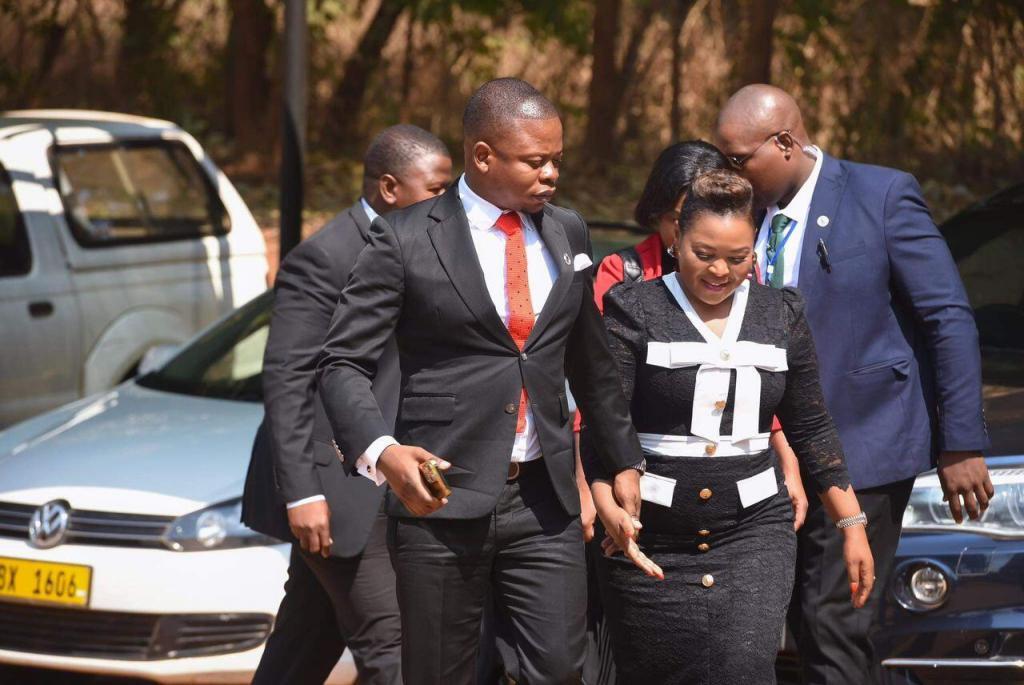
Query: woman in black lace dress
[(707, 358)]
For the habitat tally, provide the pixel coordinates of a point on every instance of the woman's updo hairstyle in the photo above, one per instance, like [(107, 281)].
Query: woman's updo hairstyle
[(720, 192)]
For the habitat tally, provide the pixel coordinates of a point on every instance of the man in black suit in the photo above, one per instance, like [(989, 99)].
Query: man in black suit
[(487, 291), (340, 589)]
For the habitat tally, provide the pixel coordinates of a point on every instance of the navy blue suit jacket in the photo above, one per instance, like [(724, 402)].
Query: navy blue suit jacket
[(895, 334)]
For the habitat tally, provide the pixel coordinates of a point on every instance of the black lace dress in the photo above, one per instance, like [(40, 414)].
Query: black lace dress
[(717, 518)]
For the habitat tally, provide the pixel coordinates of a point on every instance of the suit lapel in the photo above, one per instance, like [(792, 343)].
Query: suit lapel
[(552, 232), (824, 203), (454, 246)]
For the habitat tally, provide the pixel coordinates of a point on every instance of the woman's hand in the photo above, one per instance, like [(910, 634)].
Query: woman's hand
[(860, 564), (798, 498), (791, 473), (623, 530), (842, 504), (588, 514)]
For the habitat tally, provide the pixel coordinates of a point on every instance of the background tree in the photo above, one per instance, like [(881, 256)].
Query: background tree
[(247, 80), (935, 87)]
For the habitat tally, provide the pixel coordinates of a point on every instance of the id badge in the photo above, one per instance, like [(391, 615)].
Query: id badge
[(657, 489)]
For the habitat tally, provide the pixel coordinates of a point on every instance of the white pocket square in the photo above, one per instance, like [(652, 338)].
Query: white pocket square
[(581, 262)]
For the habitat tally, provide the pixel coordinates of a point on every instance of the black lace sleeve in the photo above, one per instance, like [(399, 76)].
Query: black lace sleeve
[(623, 319), (806, 421)]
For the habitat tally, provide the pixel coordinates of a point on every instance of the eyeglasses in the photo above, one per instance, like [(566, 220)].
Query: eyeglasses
[(738, 162)]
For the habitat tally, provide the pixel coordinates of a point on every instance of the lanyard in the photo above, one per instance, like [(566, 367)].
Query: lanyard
[(770, 261), (769, 267)]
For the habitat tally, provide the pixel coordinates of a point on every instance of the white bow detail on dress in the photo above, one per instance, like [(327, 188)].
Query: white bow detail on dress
[(716, 358)]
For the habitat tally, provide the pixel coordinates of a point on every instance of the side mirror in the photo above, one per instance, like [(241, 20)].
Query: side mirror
[(156, 356)]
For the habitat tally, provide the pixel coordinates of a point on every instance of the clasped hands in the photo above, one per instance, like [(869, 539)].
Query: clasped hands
[(618, 506)]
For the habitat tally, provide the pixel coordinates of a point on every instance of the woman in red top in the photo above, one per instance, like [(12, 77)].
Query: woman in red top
[(658, 210)]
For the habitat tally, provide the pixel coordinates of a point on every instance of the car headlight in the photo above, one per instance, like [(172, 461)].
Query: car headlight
[(214, 528), (1004, 517), (922, 585)]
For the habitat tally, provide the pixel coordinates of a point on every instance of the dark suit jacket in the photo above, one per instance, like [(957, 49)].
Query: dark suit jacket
[(293, 456), (895, 333), (419, 279)]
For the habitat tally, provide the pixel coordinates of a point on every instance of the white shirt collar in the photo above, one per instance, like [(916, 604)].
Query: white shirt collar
[(481, 213), (800, 206), (368, 209)]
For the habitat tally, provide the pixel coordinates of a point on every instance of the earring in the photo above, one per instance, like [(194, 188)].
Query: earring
[(672, 251)]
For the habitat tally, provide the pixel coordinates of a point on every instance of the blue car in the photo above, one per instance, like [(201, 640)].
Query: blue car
[(954, 609)]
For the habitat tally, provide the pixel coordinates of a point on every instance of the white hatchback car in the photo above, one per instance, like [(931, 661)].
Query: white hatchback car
[(117, 235), (121, 550)]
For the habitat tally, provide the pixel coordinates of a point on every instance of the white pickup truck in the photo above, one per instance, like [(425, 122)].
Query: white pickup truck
[(117, 235)]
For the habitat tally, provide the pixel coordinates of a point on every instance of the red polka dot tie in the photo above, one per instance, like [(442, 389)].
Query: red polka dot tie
[(517, 292)]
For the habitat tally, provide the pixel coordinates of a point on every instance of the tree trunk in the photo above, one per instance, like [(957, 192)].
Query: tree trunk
[(408, 66), (145, 75), (754, 56), (680, 9), (247, 82), (53, 32), (603, 98), (347, 99)]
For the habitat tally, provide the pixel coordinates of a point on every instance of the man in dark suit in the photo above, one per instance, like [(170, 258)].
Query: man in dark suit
[(488, 293), (898, 349), (340, 589)]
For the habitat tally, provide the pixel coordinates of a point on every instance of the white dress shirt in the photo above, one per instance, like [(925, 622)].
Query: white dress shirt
[(542, 271), (368, 209), (797, 210), (317, 498)]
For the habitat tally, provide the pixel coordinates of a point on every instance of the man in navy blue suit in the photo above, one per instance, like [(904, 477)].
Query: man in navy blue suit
[(898, 349)]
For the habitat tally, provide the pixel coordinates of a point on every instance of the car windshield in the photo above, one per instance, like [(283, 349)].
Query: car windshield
[(987, 243), (225, 362)]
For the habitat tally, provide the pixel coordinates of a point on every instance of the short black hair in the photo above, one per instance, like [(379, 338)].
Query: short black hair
[(501, 101), (672, 175), (720, 192), (396, 148)]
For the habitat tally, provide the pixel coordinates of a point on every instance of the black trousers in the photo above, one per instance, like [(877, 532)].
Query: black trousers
[(305, 643), (831, 636), (526, 556), (498, 663), (351, 601)]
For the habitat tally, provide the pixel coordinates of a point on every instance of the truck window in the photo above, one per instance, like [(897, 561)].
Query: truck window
[(15, 254), (136, 192)]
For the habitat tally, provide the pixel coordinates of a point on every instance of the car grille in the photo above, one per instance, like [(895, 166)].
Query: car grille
[(129, 636), (91, 527)]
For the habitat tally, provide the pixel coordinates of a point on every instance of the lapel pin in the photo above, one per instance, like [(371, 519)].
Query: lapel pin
[(823, 221), (566, 259)]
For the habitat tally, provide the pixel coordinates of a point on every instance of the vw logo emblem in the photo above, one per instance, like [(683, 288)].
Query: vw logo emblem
[(49, 524)]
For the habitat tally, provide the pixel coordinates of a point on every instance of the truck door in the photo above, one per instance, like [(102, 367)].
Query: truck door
[(40, 361)]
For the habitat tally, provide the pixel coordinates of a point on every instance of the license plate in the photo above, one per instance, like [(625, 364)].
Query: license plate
[(43, 581)]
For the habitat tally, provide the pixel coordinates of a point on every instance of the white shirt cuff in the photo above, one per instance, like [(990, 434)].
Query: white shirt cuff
[(305, 500), (366, 464)]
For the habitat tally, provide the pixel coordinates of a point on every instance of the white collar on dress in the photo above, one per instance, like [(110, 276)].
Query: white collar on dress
[(736, 311)]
